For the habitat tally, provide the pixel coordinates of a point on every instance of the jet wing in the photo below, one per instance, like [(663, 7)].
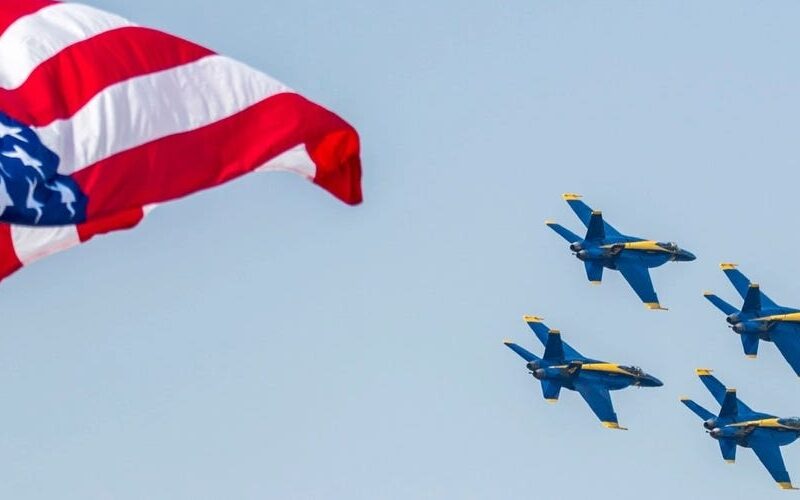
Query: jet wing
[(599, 400), (584, 213), (742, 284), (718, 390), (542, 332), (787, 339), (638, 277), (768, 451)]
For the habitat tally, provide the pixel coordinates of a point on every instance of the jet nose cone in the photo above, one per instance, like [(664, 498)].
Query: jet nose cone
[(653, 382), (686, 256)]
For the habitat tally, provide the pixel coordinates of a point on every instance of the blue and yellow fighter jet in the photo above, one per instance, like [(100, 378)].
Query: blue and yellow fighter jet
[(563, 366), (737, 424), (760, 319), (604, 246)]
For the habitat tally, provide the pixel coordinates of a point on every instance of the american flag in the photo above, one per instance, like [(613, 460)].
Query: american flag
[(102, 119)]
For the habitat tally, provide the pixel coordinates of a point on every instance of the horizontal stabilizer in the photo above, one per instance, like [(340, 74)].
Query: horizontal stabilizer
[(752, 299), (522, 352), (563, 232), (720, 304), (697, 409)]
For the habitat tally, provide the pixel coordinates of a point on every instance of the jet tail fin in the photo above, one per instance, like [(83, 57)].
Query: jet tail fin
[(584, 213), (729, 404), (752, 299), (594, 271), (750, 344), (563, 232), (728, 449), (596, 230), (522, 352), (550, 390), (554, 349), (720, 304), (697, 409)]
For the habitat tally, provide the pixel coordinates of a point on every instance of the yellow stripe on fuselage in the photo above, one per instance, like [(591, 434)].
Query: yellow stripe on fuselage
[(644, 246), (792, 317), (768, 423), (606, 368)]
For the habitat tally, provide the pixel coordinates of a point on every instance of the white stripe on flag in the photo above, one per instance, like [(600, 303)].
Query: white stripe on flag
[(149, 107), (35, 38), (295, 160), (34, 243)]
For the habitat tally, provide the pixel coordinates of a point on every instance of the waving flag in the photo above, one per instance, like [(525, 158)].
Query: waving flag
[(101, 119)]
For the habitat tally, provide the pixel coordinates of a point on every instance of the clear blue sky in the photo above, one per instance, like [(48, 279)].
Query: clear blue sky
[(264, 341)]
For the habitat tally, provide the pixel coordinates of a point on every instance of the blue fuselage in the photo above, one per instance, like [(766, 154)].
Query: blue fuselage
[(750, 322), (608, 251), (609, 375), (783, 431)]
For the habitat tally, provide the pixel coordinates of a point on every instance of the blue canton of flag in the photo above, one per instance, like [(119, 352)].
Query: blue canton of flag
[(32, 192)]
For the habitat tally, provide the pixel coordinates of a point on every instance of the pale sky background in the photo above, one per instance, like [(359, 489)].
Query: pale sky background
[(264, 341)]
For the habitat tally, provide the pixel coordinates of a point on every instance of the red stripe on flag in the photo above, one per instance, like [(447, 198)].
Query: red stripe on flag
[(11, 10), (122, 220), (9, 262), (338, 162), (181, 164), (82, 70)]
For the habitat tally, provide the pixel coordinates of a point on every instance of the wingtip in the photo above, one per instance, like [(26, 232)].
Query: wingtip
[(750, 356), (571, 196), (703, 371), (549, 222), (507, 342), (707, 293), (683, 398), (655, 306), (551, 401), (532, 319), (595, 282), (597, 212), (786, 485), (725, 266), (553, 331), (730, 461), (613, 425)]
